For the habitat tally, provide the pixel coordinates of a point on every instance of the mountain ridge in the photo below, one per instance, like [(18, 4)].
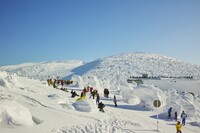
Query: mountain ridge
[(130, 64)]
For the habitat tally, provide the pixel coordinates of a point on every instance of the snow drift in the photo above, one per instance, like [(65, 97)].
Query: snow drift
[(14, 114), (86, 105)]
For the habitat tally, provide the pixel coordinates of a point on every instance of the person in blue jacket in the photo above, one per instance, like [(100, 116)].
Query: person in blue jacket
[(169, 112), (183, 116)]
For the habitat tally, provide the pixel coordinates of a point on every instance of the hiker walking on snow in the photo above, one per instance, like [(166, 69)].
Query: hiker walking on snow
[(183, 116), (178, 127), (115, 101), (169, 111)]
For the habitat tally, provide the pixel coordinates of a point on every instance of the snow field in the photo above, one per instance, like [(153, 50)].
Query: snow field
[(30, 105)]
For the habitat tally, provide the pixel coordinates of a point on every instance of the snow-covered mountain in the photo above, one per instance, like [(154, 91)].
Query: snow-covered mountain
[(43, 70), (127, 64), (136, 64), (113, 72)]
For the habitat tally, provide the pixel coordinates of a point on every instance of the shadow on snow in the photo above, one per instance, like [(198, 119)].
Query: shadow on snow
[(162, 116), (130, 107), (84, 68)]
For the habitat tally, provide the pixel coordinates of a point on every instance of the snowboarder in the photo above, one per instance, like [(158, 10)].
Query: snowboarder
[(115, 101), (101, 106), (178, 127), (183, 116), (169, 112), (175, 116)]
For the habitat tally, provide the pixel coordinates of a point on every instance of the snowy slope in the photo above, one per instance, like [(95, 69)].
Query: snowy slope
[(30, 105), (136, 64), (113, 72), (43, 70)]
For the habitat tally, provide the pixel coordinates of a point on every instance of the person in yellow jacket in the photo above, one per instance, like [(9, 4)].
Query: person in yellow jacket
[(178, 127)]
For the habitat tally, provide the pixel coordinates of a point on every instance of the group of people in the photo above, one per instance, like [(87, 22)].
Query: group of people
[(101, 105), (179, 124), (94, 93), (56, 82)]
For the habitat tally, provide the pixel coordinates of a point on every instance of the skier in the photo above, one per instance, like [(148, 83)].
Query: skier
[(169, 111), (183, 116), (175, 116), (115, 101), (101, 106), (178, 127)]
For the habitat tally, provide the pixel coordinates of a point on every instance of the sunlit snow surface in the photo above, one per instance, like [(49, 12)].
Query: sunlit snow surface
[(28, 104)]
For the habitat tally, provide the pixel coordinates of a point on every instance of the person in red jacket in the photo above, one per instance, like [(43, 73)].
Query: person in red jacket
[(84, 90), (91, 89)]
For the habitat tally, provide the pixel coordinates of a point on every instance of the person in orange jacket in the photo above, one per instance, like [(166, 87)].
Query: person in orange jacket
[(178, 127)]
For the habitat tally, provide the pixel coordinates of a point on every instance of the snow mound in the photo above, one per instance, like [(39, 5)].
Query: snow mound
[(7, 79), (3, 83), (142, 95), (181, 102), (147, 95), (14, 114), (86, 105)]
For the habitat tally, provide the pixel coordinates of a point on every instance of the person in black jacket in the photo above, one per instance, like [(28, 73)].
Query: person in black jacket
[(101, 106), (115, 101)]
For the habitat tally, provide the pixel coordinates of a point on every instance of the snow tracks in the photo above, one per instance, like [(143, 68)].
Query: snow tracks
[(108, 125)]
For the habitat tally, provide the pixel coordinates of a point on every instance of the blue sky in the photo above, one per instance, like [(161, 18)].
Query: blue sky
[(47, 30)]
